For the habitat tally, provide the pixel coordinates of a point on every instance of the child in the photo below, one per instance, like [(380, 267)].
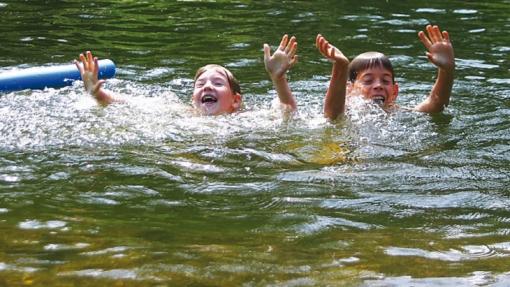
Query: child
[(216, 91), (371, 76)]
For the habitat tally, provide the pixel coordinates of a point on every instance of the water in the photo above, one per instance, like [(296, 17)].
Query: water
[(146, 194)]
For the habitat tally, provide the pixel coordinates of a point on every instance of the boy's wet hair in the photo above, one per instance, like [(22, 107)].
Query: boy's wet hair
[(232, 81), (369, 60)]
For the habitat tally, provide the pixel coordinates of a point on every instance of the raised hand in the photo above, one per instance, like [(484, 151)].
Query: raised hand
[(330, 52), (89, 69), (277, 66), (439, 48), (334, 102), (282, 59), (440, 53)]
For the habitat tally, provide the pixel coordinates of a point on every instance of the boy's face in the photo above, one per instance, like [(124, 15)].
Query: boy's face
[(212, 94), (375, 84)]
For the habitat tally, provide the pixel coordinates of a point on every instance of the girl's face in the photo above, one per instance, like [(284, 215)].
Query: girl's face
[(375, 84), (212, 94)]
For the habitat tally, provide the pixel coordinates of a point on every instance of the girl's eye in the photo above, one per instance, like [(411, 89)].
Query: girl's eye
[(218, 84)]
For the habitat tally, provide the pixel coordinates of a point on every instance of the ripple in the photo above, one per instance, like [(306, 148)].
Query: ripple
[(341, 262), (409, 22), (243, 63), (59, 176), (451, 255), (478, 278), (198, 167), (472, 63), (97, 199), (130, 192), (117, 249), (323, 223), (12, 267), (100, 273), (499, 81), (59, 247), (501, 49), (36, 224), (430, 10), (466, 253), (501, 247), (465, 11), (480, 30), (157, 73)]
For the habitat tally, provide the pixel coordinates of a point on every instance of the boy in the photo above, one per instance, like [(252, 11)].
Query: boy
[(216, 91), (370, 75)]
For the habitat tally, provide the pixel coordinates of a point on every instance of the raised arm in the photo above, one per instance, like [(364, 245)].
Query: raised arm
[(89, 69), (334, 102), (440, 53), (277, 66)]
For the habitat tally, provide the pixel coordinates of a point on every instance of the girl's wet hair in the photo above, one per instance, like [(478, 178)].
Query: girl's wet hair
[(232, 81), (369, 60)]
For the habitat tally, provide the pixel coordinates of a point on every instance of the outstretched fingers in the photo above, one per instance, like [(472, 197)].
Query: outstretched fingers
[(290, 45), (79, 66), (446, 36), (283, 42), (321, 44), (267, 52), (424, 39), (324, 47), (96, 66), (433, 35), (83, 62), (90, 60), (292, 49)]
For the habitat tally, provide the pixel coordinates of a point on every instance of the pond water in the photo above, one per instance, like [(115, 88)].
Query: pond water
[(145, 194)]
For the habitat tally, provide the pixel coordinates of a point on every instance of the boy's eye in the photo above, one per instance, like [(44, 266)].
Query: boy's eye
[(387, 80), (218, 84)]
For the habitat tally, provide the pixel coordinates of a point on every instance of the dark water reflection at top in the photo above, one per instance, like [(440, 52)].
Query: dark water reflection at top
[(144, 193)]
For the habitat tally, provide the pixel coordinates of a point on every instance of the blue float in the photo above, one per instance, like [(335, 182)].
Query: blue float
[(49, 77)]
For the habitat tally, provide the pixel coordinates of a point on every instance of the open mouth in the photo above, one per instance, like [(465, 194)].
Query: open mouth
[(378, 100), (209, 99)]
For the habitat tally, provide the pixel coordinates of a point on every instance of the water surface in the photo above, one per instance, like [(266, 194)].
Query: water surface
[(147, 194)]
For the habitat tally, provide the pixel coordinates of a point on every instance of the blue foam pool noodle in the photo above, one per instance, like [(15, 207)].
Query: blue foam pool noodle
[(49, 77)]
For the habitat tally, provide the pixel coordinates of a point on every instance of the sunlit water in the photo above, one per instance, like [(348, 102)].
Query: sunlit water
[(146, 193)]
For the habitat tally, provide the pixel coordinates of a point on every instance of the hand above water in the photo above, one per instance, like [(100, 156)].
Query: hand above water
[(439, 48), (331, 52), (440, 53), (282, 59), (334, 102), (89, 71), (277, 66)]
